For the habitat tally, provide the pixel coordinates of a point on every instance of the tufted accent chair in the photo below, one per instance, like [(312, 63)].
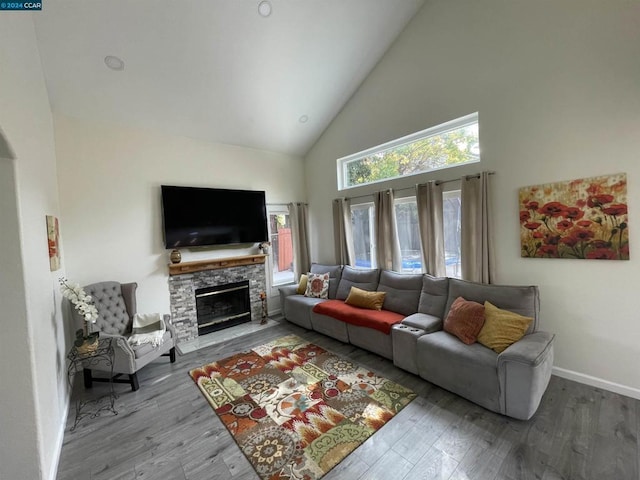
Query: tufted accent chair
[(116, 305)]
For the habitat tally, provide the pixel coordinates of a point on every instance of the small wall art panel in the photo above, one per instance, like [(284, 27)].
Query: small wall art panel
[(585, 218), (53, 239)]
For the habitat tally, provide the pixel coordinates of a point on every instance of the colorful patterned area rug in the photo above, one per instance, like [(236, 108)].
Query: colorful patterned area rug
[(295, 409)]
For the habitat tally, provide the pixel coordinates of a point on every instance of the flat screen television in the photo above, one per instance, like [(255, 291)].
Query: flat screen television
[(196, 216)]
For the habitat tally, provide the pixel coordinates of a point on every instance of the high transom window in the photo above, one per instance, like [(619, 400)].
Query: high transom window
[(443, 146)]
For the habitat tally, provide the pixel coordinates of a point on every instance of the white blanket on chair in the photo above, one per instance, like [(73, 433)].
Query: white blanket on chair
[(148, 328)]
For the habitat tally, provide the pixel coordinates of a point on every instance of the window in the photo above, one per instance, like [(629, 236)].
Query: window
[(452, 239), (363, 235), (443, 146), (362, 223), (281, 247), (409, 234)]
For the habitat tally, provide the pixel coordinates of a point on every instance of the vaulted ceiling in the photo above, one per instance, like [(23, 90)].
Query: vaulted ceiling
[(216, 69)]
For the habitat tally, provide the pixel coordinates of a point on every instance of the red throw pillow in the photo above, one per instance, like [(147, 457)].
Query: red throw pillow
[(465, 320)]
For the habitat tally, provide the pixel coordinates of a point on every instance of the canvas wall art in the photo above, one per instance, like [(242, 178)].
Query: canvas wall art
[(585, 218), (53, 237)]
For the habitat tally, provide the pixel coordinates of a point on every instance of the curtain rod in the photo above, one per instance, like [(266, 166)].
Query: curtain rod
[(284, 204), (466, 177), (437, 182)]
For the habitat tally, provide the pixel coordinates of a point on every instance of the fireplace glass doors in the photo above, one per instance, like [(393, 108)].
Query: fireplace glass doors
[(222, 306)]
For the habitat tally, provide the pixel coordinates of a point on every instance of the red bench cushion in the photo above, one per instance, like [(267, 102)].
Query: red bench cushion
[(381, 320)]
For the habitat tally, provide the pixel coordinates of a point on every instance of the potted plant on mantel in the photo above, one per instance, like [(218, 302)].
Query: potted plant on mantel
[(86, 342)]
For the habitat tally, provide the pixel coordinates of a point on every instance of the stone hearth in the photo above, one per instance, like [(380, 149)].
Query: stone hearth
[(182, 297)]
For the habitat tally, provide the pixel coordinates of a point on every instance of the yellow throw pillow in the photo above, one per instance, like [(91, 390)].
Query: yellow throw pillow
[(302, 285), (364, 299), (501, 327)]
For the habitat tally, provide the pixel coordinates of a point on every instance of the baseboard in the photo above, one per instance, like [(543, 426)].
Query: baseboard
[(597, 382), (60, 440)]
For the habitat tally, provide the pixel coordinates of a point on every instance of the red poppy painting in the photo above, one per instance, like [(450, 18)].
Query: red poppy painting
[(584, 218)]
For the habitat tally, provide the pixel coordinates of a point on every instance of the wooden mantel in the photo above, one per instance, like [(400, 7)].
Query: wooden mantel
[(214, 264)]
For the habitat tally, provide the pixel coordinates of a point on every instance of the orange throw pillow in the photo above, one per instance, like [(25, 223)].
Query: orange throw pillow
[(502, 328), (364, 299), (465, 320), (302, 285)]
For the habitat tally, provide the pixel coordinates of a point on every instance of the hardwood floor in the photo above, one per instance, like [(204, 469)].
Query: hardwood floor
[(167, 430)]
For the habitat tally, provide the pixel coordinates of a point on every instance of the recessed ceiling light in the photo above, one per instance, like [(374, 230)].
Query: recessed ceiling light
[(114, 63), (264, 8), (303, 119)]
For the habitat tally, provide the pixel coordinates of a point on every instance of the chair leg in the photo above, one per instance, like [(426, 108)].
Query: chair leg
[(133, 379), (172, 355), (88, 379)]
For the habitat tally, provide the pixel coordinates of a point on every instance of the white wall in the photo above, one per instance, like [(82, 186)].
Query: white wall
[(110, 179), (557, 87), (32, 342)]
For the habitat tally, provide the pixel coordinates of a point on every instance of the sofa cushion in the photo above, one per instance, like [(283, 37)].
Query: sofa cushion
[(522, 300), (468, 370), (381, 320), (364, 299), (317, 285), (433, 297), (464, 320), (403, 291), (502, 328), (334, 271), (365, 279)]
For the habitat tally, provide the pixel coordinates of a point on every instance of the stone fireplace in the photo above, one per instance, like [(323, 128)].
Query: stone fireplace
[(215, 287)]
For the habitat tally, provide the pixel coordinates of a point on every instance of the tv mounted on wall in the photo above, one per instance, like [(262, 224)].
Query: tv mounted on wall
[(196, 216)]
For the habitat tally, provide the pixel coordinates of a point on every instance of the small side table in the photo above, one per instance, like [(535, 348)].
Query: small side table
[(104, 355)]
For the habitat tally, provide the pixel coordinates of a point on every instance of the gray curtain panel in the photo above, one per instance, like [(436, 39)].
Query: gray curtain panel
[(387, 243), (430, 222), (475, 218), (299, 216), (343, 235)]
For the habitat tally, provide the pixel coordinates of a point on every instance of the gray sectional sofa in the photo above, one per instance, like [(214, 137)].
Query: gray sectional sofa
[(511, 383)]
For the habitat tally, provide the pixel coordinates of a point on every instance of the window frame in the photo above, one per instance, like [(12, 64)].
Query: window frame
[(455, 193), (343, 162), (273, 287), (399, 201), (370, 206)]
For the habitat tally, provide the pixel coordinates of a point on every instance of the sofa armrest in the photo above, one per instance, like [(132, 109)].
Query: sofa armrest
[(524, 370), (424, 321), (124, 359), (285, 292), (530, 349), (170, 327)]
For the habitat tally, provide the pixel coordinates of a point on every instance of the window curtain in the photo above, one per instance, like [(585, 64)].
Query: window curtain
[(431, 225), (342, 232), (387, 243), (477, 248), (299, 214)]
